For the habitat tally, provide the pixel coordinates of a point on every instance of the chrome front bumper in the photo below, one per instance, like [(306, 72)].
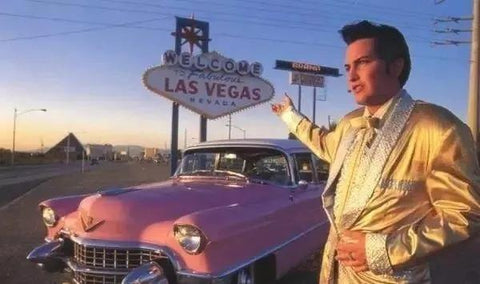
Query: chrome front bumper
[(49, 256), (58, 256), (52, 257)]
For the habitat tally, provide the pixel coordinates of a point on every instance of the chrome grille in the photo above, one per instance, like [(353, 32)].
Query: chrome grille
[(90, 278), (113, 258)]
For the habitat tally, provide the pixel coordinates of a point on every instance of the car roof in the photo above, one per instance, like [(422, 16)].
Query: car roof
[(287, 145)]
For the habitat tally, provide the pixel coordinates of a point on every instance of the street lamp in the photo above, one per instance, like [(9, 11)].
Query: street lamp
[(241, 129), (230, 125), (15, 115)]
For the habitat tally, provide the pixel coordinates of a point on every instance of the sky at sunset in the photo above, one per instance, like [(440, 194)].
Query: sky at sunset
[(83, 61)]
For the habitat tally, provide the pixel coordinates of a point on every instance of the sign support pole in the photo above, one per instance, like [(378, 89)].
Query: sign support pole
[(174, 135), (203, 119), (203, 128), (174, 141), (299, 98)]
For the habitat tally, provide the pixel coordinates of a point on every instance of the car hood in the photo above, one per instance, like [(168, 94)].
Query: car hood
[(140, 212)]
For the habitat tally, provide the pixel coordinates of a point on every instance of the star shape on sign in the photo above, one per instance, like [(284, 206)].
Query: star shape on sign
[(192, 35)]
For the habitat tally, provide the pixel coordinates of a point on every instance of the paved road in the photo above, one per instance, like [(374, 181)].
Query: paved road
[(23, 173), (21, 228), (18, 180)]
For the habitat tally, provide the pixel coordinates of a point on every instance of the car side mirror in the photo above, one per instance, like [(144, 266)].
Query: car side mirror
[(303, 184)]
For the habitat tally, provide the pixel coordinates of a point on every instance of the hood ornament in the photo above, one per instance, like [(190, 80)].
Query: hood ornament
[(88, 223)]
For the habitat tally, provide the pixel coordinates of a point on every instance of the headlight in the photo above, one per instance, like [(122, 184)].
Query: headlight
[(49, 217), (190, 238)]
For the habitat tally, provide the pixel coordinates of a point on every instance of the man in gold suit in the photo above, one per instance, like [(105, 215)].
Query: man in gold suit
[(404, 179)]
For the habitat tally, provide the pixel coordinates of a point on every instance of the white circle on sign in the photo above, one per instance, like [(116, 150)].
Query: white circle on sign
[(185, 59), (256, 69), (242, 67), (169, 58), (229, 65), (215, 65), (200, 62)]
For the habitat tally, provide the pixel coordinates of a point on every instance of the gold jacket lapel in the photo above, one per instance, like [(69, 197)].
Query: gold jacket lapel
[(372, 165), (329, 192)]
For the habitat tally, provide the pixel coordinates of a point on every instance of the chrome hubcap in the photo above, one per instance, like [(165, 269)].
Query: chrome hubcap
[(244, 277)]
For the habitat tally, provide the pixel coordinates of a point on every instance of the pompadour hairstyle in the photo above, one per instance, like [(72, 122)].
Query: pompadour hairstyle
[(389, 43)]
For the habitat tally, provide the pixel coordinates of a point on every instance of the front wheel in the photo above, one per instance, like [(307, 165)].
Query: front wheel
[(245, 276)]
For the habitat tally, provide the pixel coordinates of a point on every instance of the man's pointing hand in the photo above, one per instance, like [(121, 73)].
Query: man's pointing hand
[(283, 105)]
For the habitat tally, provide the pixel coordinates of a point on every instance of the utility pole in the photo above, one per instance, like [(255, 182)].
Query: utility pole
[(68, 148), (229, 126), (16, 114), (473, 86), (314, 104), (472, 115), (185, 140), (14, 128)]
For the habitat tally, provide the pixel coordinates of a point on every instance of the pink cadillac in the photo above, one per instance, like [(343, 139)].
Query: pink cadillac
[(236, 212)]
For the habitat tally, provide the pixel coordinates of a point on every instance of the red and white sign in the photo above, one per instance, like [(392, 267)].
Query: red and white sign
[(209, 84)]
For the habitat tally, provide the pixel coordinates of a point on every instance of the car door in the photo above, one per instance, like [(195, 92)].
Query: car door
[(305, 214), (306, 197)]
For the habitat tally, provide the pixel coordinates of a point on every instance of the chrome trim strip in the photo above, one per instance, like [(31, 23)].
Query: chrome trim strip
[(80, 268), (126, 245), (248, 262), (249, 144)]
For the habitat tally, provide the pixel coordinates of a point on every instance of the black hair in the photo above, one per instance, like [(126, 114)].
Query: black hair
[(389, 43)]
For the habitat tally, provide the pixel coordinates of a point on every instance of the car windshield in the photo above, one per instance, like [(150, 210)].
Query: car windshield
[(258, 165)]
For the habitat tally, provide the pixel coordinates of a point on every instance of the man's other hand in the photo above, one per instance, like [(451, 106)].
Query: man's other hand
[(283, 105), (351, 250)]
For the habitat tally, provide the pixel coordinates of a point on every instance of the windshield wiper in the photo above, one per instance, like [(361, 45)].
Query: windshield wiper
[(259, 181), (195, 173), (232, 173)]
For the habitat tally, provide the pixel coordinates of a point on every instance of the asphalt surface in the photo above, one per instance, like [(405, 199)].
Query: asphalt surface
[(21, 228)]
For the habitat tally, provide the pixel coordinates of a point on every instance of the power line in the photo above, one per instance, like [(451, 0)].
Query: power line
[(268, 9), (285, 24), (451, 42), (56, 19), (312, 27), (316, 4), (78, 31), (276, 19), (378, 7), (452, 31), (130, 25), (451, 19), (229, 35)]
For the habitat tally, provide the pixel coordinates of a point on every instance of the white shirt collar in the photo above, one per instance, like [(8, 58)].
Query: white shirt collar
[(383, 109)]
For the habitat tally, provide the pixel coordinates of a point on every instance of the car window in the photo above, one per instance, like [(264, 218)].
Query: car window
[(271, 168), (231, 163), (304, 167), (257, 164), (322, 168)]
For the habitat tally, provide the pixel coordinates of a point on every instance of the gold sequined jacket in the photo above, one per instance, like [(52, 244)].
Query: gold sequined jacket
[(419, 189)]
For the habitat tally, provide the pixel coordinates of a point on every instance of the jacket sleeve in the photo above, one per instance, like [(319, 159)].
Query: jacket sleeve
[(453, 187), (320, 141)]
